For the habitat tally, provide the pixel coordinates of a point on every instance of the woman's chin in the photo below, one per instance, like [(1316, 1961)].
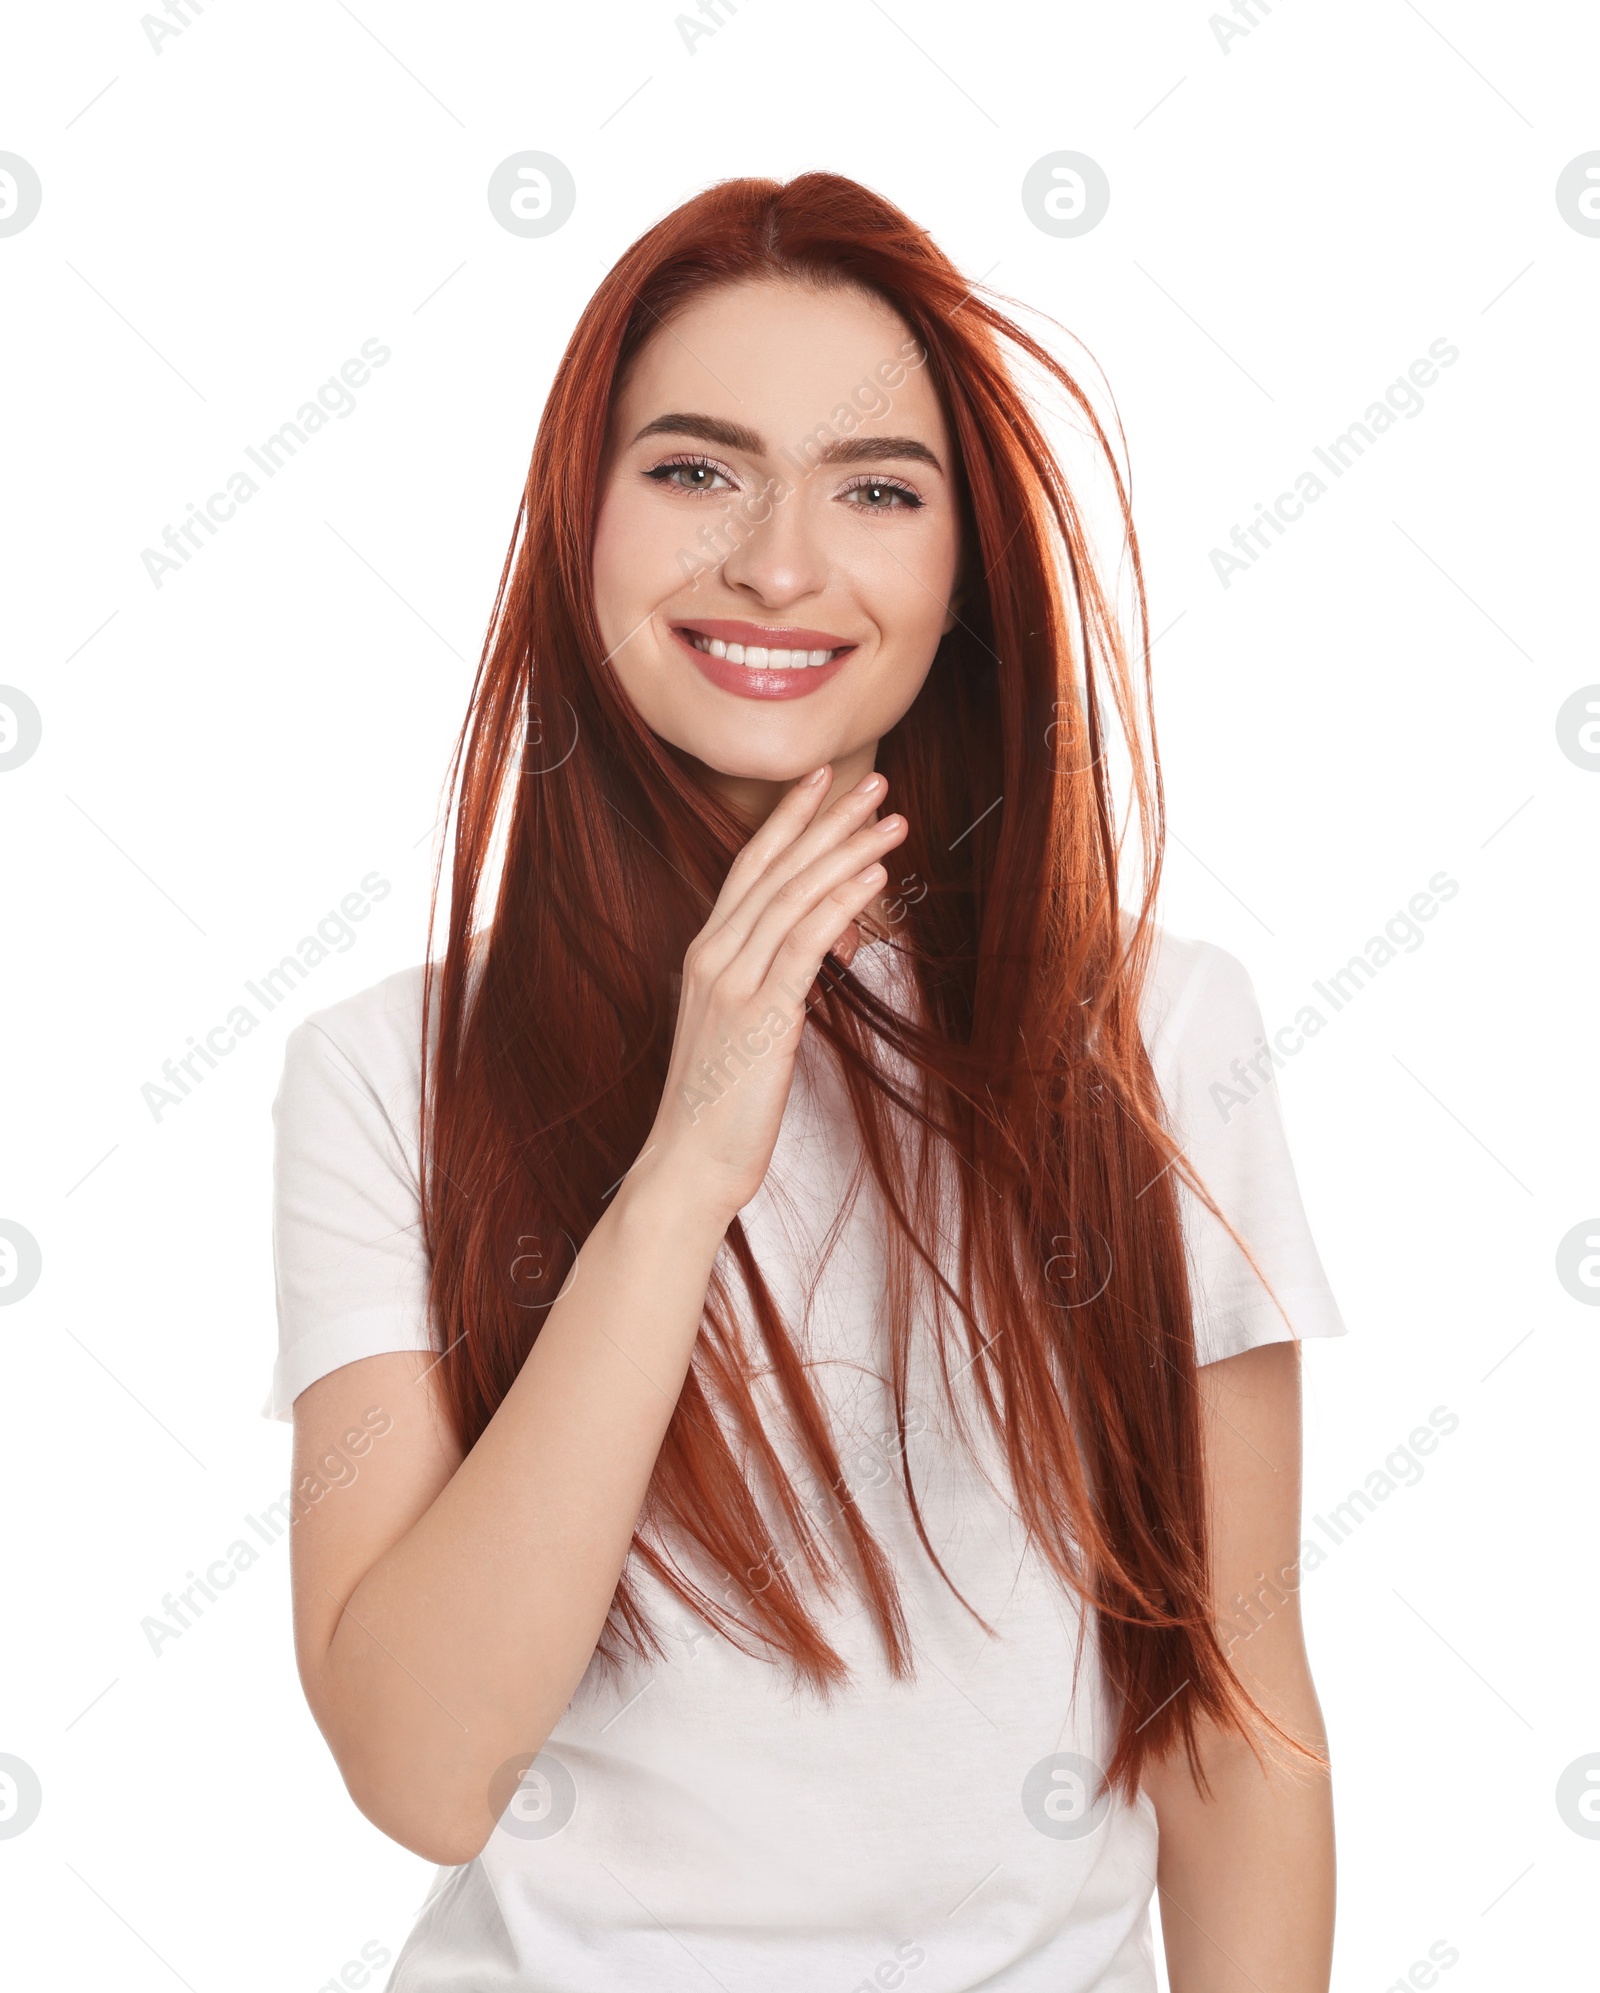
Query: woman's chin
[(726, 761)]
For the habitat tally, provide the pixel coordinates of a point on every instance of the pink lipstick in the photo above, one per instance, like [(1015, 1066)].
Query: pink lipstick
[(763, 661)]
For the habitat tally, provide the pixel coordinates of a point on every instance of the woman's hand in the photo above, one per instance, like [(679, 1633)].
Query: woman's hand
[(789, 897)]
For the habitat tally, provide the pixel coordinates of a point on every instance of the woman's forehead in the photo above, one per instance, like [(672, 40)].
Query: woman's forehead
[(780, 356)]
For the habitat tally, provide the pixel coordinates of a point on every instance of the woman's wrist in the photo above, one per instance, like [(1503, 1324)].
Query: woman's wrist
[(661, 1201)]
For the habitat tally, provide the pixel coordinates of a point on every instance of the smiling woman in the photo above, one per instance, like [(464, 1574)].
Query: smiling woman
[(872, 526), (842, 1369)]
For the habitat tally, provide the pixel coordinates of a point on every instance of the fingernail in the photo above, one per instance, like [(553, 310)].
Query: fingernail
[(816, 776), (866, 785)]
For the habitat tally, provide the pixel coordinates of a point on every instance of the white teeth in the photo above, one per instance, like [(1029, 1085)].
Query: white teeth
[(760, 657)]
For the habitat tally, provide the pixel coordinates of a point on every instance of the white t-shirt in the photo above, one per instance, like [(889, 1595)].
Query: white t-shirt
[(702, 1822)]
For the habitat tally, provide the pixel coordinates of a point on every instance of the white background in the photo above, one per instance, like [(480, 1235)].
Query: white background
[(1292, 222)]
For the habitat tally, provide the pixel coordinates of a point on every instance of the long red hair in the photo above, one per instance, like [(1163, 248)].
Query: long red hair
[(554, 1010)]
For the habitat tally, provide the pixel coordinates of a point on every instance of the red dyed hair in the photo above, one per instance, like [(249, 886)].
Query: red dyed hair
[(555, 1013)]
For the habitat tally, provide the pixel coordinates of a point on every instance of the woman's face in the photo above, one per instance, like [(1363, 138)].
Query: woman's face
[(778, 481)]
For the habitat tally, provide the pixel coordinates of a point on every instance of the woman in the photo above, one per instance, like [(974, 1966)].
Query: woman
[(833, 1518)]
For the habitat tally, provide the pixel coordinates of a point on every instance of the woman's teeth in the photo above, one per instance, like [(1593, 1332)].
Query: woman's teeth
[(760, 658)]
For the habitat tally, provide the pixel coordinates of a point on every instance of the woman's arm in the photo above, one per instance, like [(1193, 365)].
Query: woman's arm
[(446, 1608), (1247, 1877)]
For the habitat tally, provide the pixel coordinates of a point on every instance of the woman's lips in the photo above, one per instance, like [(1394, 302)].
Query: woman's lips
[(763, 661)]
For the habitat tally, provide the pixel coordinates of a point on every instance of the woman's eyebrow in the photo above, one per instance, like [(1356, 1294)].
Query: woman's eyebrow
[(706, 429), (871, 449), (839, 450)]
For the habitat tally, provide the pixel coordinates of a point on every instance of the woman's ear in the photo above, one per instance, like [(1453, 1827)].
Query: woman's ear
[(952, 615)]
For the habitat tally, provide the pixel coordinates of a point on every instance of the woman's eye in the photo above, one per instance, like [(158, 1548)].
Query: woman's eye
[(877, 495), (691, 477)]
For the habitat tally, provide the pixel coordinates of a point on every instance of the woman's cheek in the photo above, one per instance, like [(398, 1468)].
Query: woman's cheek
[(913, 616), (612, 568), (653, 548)]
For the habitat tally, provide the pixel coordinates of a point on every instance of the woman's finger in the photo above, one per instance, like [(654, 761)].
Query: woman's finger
[(795, 809), (844, 817), (792, 900), (799, 956)]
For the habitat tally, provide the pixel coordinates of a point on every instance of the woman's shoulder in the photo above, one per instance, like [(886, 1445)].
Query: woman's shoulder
[(367, 1044), (364, 1052), (398, 994), (1192, 982)]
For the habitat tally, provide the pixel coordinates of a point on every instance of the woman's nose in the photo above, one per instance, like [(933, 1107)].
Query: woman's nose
[(777, 554)]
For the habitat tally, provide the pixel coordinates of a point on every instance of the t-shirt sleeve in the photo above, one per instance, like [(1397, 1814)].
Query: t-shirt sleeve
[(350, 1269), (1210, 1056)]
